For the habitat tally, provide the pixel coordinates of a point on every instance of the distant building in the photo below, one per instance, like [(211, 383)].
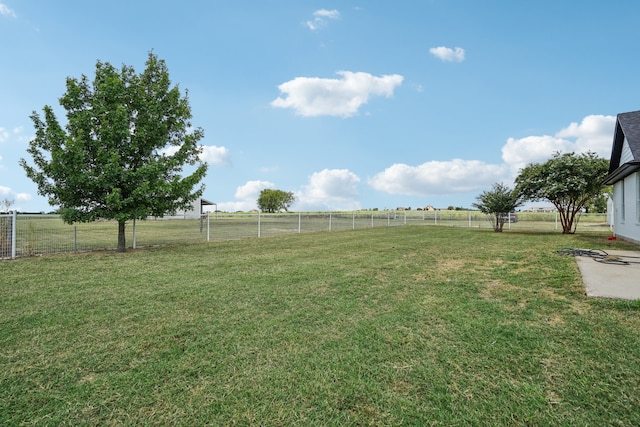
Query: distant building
[(196, 210), (542, 209)]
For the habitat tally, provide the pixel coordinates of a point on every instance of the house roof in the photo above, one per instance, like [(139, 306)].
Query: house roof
[(627, 126)]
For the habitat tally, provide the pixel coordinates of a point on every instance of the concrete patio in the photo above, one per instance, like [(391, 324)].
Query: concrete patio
[(610, 277)]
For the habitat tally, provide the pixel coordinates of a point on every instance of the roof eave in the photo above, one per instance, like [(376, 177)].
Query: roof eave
[(622, 172)]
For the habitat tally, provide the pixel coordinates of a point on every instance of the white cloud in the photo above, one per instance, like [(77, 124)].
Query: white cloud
[(170, 150), (247, 197), (4, 135), (214, 155), (594, 133), (4, 10), (321, 18), (209, 154), (329, 189), (436, 177), (448, 54), (314, 96), (252, 189), (518, 153), (8, 194), (23, 197)]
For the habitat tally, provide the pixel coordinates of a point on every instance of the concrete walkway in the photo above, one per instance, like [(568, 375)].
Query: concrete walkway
[(612, 280)]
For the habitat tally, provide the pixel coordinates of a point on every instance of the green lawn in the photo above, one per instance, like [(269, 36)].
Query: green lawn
[(385, 326)]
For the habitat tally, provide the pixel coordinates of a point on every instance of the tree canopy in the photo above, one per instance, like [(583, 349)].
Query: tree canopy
[(499, 203), (275, 200), (569, 181), (123, 149)]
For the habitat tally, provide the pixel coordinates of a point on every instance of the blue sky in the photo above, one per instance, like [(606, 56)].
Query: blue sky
[(348, 104)]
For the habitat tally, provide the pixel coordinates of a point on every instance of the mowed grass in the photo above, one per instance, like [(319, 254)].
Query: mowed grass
[(386, 326)]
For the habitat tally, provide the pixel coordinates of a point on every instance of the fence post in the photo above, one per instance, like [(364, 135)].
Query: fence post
[(75, 238), (435, 217), (134, 233), (371, 219), (329, 220), (354, 219), (299, 222), (14, 228), (388, 218), (405, 217), (469, 219), (208, 225), (259, 223)]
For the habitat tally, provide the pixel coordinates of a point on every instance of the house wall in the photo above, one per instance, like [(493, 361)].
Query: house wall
[(626, 200)]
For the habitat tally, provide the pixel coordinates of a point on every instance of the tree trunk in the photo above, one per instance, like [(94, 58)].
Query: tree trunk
[(568, 222), (122, 245)]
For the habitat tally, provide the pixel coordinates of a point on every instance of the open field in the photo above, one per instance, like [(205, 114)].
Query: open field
[(382, 326)]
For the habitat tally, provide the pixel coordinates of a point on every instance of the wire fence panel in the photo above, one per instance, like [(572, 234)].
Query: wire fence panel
[(224, 226), (23, 235), (6, 236)]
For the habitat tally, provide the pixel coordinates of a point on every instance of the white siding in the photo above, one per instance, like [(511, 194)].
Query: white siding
[(638, 198), (627, 207), (626, 155)]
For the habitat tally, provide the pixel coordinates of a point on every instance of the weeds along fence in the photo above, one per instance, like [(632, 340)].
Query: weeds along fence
[(23, 235)]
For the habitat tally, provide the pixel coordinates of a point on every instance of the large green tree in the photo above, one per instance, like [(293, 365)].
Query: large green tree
[(275, 200), (499, 202), (569, 181), (122, 152)]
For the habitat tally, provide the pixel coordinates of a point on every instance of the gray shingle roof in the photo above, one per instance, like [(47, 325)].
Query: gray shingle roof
[(627, 125)]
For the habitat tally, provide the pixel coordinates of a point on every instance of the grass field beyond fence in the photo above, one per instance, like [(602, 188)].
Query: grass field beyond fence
[(47, 234), (382, 326)]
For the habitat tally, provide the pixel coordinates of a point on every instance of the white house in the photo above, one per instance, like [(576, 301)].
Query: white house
[(624, 175)]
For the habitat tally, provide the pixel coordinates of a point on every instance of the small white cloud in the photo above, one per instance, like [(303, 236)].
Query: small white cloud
[(214, 155), (7, 193), (321, 18), (23, 197), (4, 10), (4, 135), (330, 189), (170, 150), (435, 177), (314, 96), (209, 154), (447, 54), (252, 189)]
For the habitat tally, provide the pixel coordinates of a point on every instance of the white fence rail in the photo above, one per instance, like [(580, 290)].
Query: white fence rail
[(23, 235)]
